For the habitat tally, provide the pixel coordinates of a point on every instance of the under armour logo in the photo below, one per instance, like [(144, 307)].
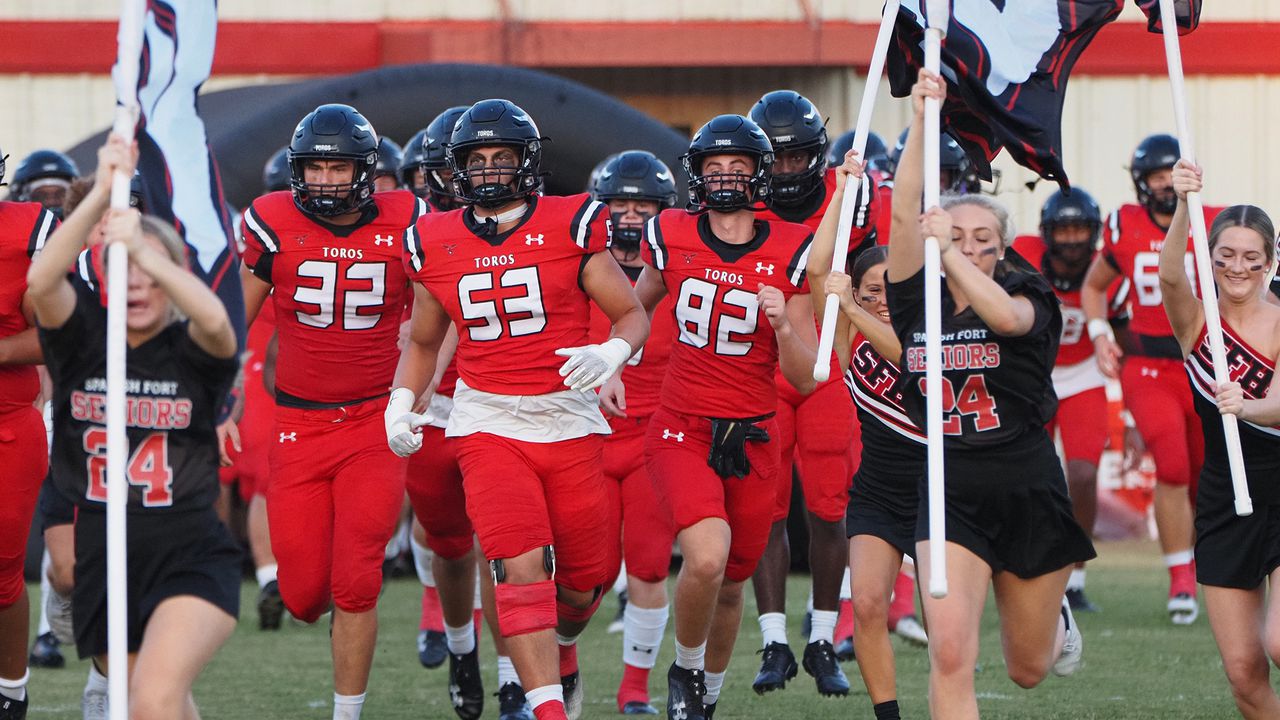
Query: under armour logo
[(448, 249), (678, 711), (455, 694), (646, 651), (531, 240), (387, 240), (766, 269), (667, 435), (688, 258), (1150, 372), (291, 437)]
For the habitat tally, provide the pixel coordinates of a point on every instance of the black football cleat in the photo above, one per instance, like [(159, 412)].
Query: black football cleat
[(709, 710), (639, 707), (433, 649), (270, 607), (820, 662), (45, 653), (1080, 602), (13, 709), (466, 689), (685, 689), (512, 704), (777, 666)]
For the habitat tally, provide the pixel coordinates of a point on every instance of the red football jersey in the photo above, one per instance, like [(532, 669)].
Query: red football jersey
[(643, 373), (339, 293), (515, 298), (1075, 345), (865, 218), (24, 227), (1131, 244), (723, 361)]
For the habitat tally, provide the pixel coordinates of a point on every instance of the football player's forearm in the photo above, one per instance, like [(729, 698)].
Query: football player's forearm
[(417, 365), (633, 327), (796, 359)]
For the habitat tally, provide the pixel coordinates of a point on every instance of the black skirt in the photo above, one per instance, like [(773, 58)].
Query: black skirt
[(1233, 551)]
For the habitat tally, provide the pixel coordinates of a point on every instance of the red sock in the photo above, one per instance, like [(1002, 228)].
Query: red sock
[(432, 618), (634, 686), (844, 622), (478, 619), (1182, 579), (550, 710), (568, 659), (904, 598)]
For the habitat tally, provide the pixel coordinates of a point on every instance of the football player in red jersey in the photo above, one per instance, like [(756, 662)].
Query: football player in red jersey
[(636, 185), (1070, 230), (1155, 392), (330, 250), (818, 431), (24, 227), (711, 448), (425, 169), (1236, 556), (515, 272)]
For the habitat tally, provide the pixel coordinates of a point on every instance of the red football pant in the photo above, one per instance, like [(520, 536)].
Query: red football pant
[(676, 448), (1158, 396), (635, 513), (823, 428), (434, 483), (332, 506), (24, 453), (1082, 420), (523, 495)]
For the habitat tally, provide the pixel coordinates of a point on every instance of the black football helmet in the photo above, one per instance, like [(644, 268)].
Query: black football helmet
[(276, 173), (876, 154), (1155, 152), (333, 132), (958, 175), (728, 135), (390, 157), (1078, 208), (634, 175), (38, 169), (412, 161), (792, 123), (486, 124), (434, 160)]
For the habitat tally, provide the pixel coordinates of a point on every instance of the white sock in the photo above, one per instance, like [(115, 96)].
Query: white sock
[(266, 574), (715, 681), (773, 626), (507, 671), (97, 682), (824, 626), (620, 583), (461, 640), (544, 694), (46, 587), (691, 658), (422, 562), (347, 707), (1178, 558), (846, 591), (642, 630), (15, 689), (1076, 581)]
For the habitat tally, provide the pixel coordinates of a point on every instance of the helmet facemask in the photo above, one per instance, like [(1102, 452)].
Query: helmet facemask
[(332, 199), (728, 191), (793, 189), (493, 186)]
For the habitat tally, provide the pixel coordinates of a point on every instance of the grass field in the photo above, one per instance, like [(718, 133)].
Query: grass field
[(1137, 666)]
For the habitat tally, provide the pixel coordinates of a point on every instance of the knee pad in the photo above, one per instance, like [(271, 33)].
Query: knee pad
[(499, 570), (524, 609), (576, 614)]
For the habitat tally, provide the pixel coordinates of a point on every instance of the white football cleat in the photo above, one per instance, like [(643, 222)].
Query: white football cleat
[(1183, 609)]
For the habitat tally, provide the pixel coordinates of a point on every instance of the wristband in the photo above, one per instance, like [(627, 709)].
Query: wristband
[(1098, 327)]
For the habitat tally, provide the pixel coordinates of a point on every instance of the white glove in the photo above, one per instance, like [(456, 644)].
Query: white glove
[(589, 366), (403, 423)]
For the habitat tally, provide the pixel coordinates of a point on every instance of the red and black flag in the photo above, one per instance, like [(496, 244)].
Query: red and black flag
[(1006, 64), (1187, 13)]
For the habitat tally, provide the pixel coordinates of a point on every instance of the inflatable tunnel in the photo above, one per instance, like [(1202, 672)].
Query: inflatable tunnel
[(245, 125)]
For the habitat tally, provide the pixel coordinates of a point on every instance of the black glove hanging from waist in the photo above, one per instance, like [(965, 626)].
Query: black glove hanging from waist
[(729, 437)]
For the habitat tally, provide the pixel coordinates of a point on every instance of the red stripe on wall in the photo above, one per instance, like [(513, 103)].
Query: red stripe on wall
[(48, 47)]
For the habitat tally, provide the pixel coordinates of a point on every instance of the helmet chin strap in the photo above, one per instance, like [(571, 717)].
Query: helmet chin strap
[(505, 217)]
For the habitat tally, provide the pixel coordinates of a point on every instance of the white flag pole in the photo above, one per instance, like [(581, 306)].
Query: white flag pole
[(1204, 269), (129, 41), (822, 365), (939, 17)]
